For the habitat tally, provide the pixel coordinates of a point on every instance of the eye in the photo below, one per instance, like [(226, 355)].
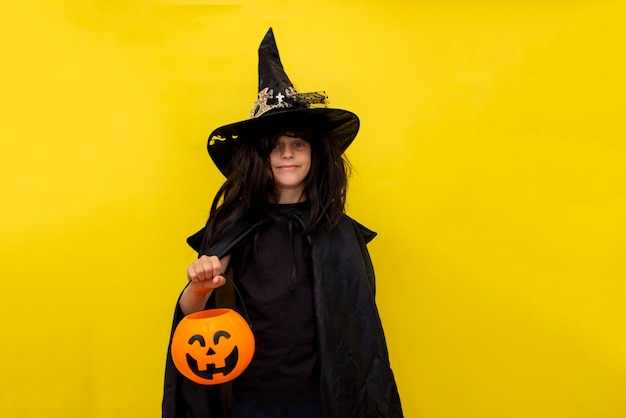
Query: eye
[(198, 338), (300, 145), (218, 335)]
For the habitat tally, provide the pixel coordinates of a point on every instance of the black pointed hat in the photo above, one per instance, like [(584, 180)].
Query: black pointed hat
[(280, 105)]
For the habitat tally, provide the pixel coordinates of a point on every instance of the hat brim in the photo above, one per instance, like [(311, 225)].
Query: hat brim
[(340, 126)]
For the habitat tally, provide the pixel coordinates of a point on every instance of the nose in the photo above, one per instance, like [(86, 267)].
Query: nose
[(286, 153)]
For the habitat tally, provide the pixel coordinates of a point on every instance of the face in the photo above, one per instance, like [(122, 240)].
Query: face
[(218, 356), (212, 346), (290, 160)]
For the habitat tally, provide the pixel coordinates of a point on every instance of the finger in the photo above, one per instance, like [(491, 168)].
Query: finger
[(196, 270), (216, 265), (206, 267), (191, 273), (219, 281), (203, 270), (211, 266)]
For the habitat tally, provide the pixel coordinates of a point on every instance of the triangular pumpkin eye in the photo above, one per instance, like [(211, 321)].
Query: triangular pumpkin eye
[(218, 335)]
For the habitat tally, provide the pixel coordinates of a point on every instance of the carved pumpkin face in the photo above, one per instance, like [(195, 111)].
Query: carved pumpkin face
[(212, 346)]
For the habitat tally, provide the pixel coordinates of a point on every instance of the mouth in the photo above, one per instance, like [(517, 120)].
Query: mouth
[(211, 369)]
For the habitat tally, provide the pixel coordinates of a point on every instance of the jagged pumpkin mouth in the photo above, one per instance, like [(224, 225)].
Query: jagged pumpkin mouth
[(209, 369)]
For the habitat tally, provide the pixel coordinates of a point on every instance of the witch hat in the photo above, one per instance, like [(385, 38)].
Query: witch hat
[(279, 105)]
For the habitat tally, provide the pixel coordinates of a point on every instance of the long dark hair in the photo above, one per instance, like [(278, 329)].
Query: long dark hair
[(249, 189)]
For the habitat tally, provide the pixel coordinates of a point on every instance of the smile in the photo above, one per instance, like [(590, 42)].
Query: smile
[(211, 369)]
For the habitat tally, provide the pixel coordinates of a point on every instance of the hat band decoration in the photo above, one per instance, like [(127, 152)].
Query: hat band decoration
[(291, 99)]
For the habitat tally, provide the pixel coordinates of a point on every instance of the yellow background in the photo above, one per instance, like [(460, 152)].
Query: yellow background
[(491, 161)]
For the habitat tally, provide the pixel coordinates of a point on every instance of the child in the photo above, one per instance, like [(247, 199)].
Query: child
[(300, 265)]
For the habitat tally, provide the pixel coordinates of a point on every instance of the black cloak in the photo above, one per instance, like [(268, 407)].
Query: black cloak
[(356, 378)]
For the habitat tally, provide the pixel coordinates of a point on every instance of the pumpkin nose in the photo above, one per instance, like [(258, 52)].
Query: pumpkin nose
[(210, 352)]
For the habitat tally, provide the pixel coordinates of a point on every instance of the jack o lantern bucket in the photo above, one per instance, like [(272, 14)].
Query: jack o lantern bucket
[(212, 346)]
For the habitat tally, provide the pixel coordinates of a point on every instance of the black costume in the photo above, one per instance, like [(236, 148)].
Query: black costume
[(348, 368), (356, 380), (275, 282)]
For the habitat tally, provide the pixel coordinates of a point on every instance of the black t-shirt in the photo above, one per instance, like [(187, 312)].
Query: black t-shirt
[(274, 276)]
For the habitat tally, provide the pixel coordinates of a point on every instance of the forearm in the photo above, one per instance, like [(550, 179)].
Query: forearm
[(191, 301)]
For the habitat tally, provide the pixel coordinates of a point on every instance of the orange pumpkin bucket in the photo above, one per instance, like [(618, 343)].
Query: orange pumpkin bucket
[(212, 346)]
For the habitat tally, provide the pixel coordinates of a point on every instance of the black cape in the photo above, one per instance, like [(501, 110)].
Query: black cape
[(356, 377)]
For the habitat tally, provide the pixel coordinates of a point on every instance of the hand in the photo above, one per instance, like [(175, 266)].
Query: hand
[(204, 274)]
